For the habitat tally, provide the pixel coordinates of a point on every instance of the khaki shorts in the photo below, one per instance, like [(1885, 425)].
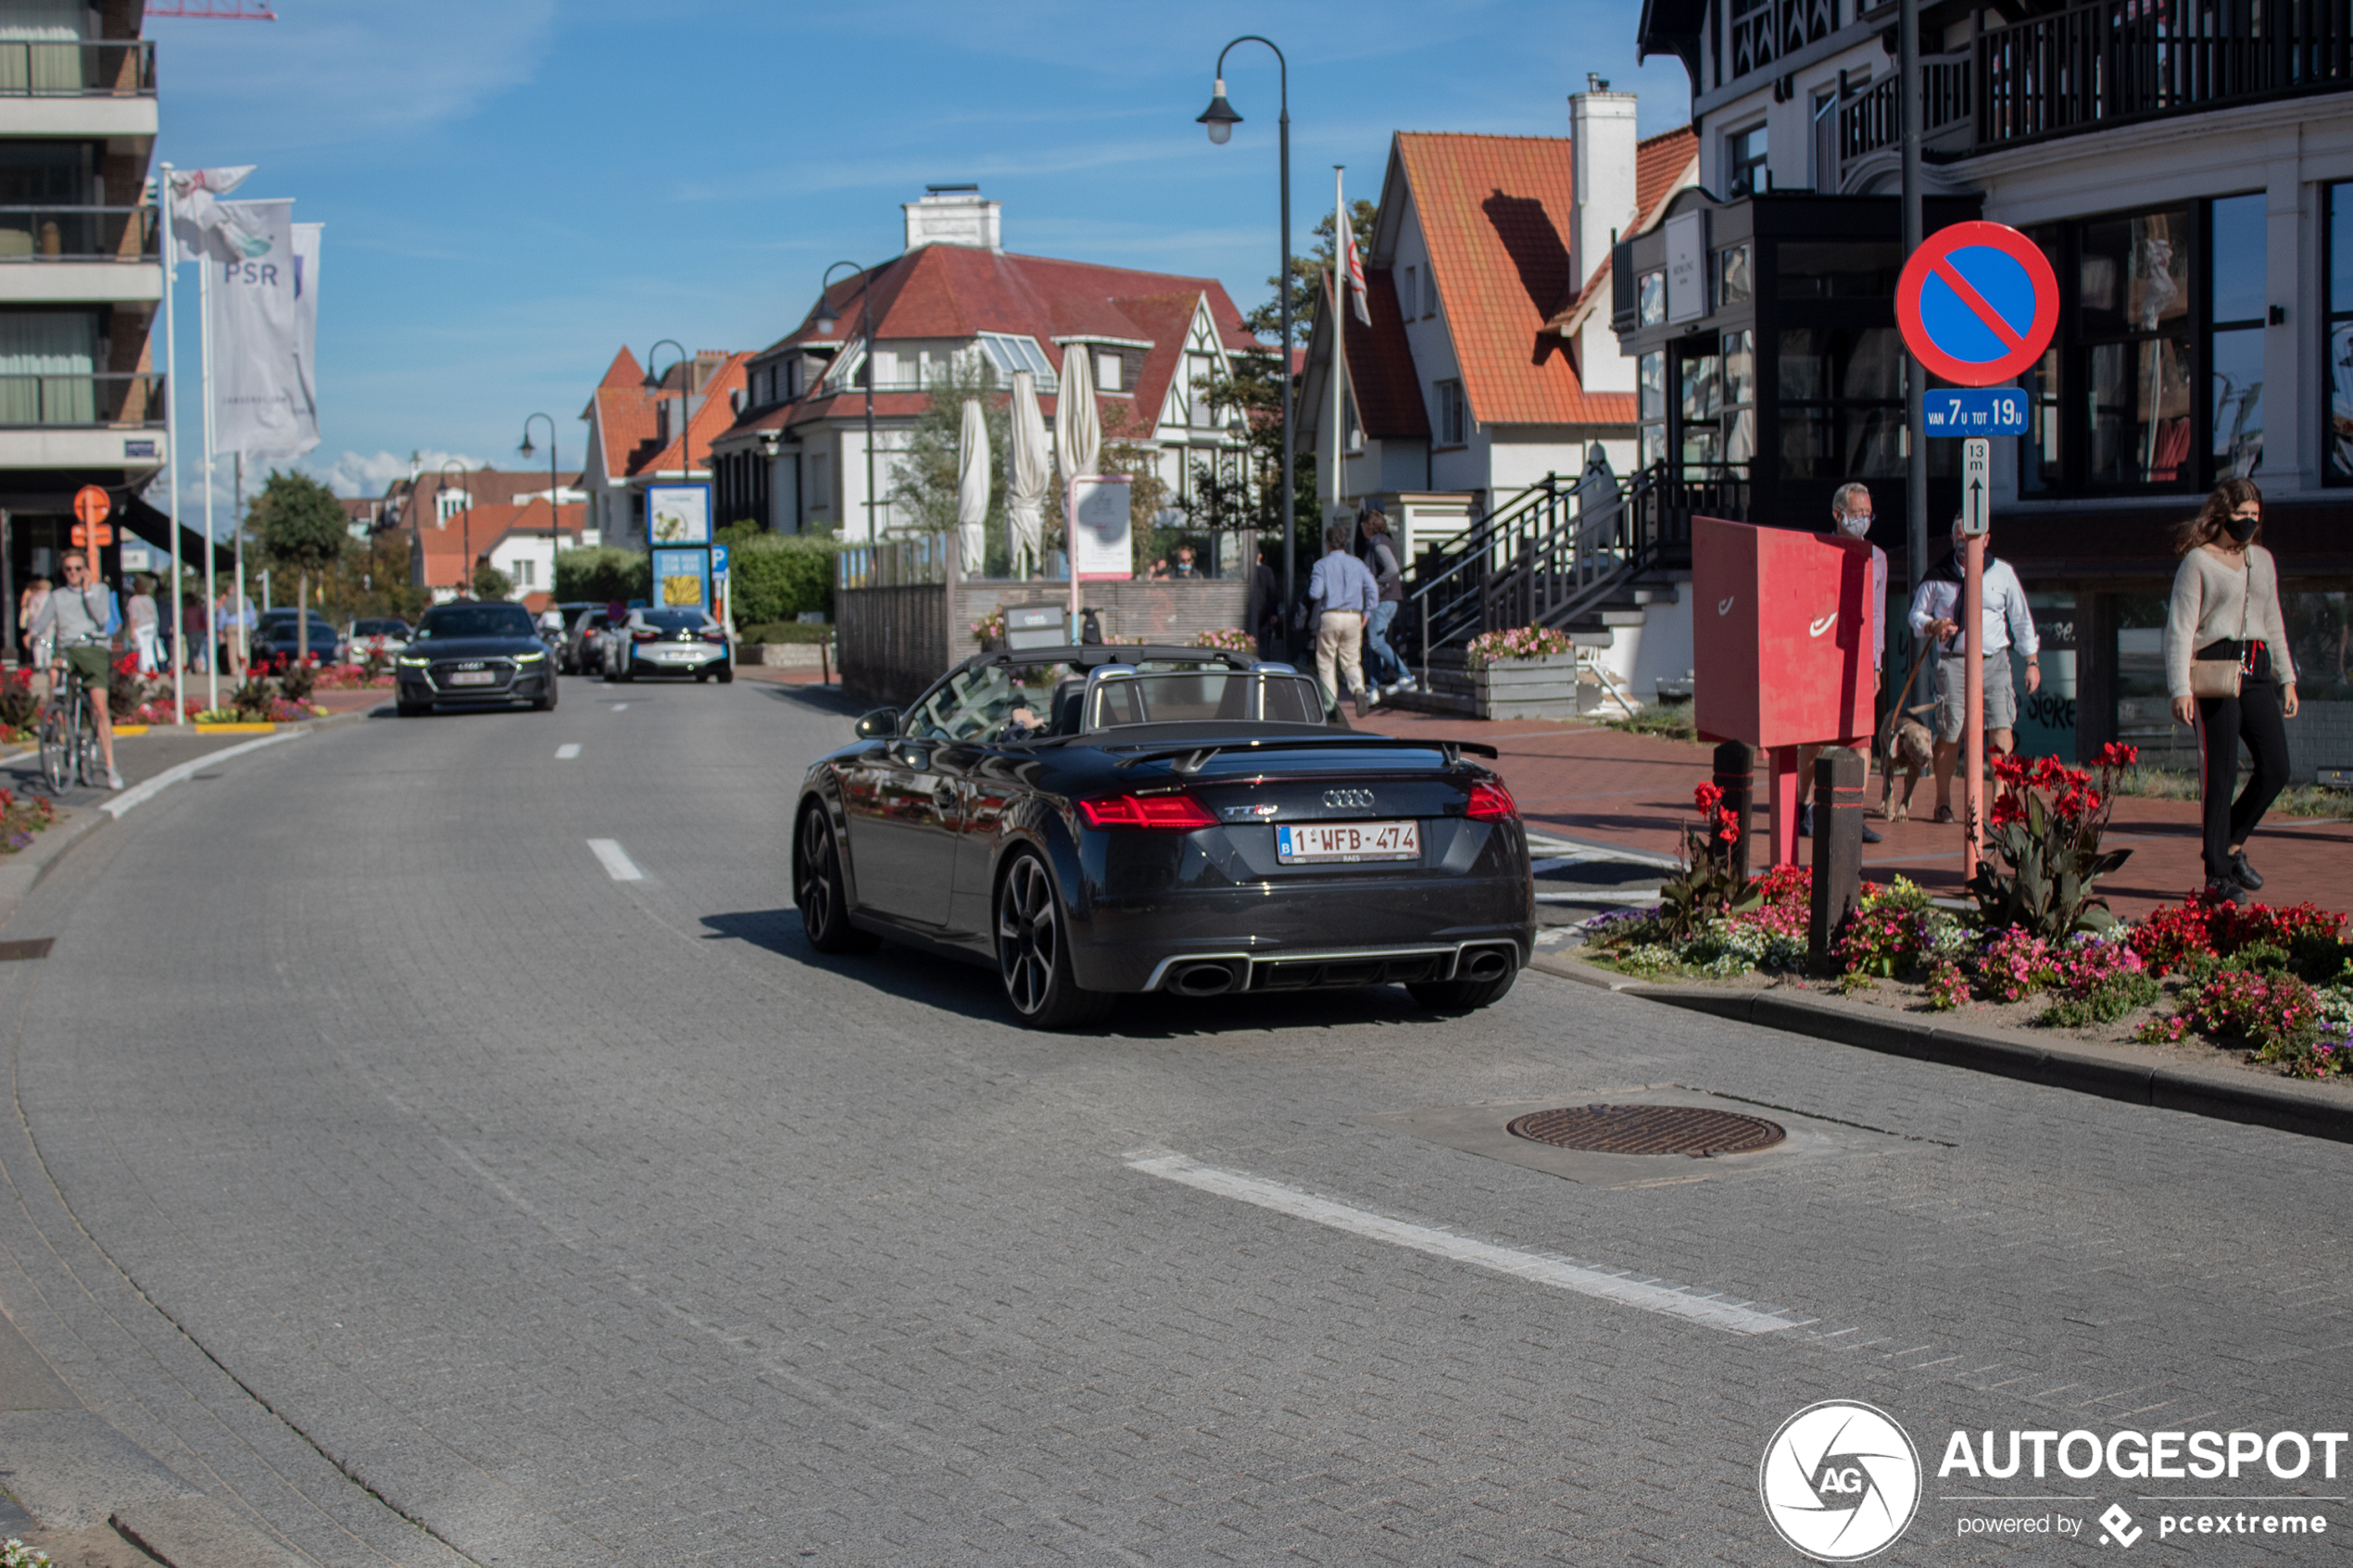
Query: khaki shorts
[(94, 665), (2001, 698)]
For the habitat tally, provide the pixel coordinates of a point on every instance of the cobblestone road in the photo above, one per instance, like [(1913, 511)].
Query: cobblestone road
[(396, 1174)]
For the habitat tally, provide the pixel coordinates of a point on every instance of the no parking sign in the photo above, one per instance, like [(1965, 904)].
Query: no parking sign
[(1977, 303)]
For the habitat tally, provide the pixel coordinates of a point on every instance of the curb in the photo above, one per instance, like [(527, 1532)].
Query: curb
[(2112, 1073)]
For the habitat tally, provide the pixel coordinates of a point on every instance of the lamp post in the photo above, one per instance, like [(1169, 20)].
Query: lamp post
[(685, 366), (466, 578), (826, 320), (1221, 119), (555, 491)]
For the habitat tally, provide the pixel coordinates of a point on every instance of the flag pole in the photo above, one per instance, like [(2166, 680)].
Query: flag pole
[(172, 442), (1340, 265), (204, 346)]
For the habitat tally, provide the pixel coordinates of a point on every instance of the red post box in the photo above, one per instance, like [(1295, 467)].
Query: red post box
[(1783, 623)]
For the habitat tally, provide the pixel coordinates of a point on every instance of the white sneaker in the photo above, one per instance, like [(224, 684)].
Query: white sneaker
[(114, 778)]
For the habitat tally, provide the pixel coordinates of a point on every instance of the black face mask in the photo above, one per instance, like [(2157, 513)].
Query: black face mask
[(2243, 528)]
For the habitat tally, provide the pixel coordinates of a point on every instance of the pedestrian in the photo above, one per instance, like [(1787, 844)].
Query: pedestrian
[(2228, 671), (1344, 594), (1388, 578), (2007, 623), (29, 602), (139, 616), (196, 629), (233, 618), (1184, 567), (1851, 515), (1266, 605)]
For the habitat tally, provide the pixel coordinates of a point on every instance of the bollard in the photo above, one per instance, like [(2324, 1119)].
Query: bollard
[(1838, 848), (1735, 765)]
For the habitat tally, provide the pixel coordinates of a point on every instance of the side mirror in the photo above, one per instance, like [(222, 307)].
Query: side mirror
[(881, 723)]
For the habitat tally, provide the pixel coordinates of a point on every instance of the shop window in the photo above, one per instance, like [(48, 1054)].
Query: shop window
[(1651, 376), (1653, 309), (1842, 393), (1735, 280), (2234, 354), (1700, 404), (2339, 329), (2134, 282)]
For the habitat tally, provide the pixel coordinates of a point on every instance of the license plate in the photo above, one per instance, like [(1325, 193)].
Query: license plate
[(473, 678), (1302, 842)]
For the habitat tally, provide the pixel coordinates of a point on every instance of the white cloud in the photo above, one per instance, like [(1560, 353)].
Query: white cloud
[(356, 473)]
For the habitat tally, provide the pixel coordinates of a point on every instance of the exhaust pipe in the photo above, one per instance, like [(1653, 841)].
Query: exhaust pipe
[(1486, 963), (1203, 980)]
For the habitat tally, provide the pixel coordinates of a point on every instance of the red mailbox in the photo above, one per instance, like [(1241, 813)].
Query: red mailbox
[(1783, 623)]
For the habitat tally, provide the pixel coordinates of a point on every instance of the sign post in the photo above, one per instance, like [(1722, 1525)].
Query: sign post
[(1978, 304)]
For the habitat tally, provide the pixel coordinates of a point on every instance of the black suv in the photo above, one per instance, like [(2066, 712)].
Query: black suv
[(475, 653)]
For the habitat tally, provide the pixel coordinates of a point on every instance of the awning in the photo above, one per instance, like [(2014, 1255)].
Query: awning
[(152, 524)]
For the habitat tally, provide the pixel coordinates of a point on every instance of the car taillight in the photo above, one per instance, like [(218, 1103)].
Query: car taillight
[(643, 636), (1180, 813), (714, 636), (1491, 803)]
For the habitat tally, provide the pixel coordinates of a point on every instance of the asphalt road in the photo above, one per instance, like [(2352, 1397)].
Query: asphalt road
[(395, 1174)]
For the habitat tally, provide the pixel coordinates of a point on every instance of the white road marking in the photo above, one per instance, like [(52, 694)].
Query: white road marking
[(1587, 1279), (140, 793), (566, 753), (615, 859), (621, 707)]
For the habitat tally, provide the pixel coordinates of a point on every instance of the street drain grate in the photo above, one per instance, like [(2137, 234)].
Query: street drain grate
[(11, 952), (1648, 1129)]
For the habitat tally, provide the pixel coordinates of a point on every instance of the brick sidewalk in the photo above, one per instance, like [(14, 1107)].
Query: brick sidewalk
[(1587, 782)]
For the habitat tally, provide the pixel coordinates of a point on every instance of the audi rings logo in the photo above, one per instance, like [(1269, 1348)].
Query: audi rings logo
[(1840, 1481), (1348, 799)]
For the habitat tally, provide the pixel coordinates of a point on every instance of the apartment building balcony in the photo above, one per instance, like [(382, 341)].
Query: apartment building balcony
[(80, 419), (100, 88), (63, 254), (2106, 64)]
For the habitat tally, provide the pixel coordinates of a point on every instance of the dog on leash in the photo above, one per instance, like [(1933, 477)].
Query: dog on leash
[(1912, 752)]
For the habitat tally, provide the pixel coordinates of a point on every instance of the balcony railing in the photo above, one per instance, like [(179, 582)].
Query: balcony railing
[(1873, 118), (2116, 61), (123, 68), (29, 401), (78, 233)]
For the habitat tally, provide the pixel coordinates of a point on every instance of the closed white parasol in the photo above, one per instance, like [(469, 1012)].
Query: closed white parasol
[(1032, 464), (972, 479)]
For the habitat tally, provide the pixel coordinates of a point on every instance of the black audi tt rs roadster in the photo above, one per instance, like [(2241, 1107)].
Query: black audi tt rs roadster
[(1109, 818)]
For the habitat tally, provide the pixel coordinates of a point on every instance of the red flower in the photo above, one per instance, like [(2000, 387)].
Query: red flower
[(1707, 798), (2117, 755), (2006, 809), (2009, 768), (2047, 773)]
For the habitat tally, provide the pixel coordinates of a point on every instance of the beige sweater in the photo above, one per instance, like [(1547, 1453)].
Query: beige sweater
[(2216, 601)]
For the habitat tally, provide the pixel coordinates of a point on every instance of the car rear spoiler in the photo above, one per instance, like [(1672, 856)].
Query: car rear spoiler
[(1191, 758)]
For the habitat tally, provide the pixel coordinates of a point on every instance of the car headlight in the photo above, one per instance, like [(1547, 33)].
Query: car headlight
[(528, 657), (414, 661)]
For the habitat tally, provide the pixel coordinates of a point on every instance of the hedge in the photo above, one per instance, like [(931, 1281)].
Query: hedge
[(776, 576)]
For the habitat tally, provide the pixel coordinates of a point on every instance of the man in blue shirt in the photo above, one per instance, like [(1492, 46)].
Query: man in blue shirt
[(1345, 595)]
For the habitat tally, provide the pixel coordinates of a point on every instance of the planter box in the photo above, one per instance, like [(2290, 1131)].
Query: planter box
[(1528, 688), (779, 655)]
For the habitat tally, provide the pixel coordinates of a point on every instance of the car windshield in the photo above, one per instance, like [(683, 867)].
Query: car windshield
[(379, 628), (1191, 697), (447, 623), (674, 620)]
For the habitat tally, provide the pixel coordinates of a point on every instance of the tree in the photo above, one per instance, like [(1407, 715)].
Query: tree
[(302, 529), (1307, 274), (372, 579), (923, 476), (492, 583)]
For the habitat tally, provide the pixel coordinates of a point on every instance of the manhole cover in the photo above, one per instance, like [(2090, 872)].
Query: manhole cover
[(1647, 1129)]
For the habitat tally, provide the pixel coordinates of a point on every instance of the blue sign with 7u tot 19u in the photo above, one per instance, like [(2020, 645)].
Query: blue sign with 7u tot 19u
[(1981, 411)]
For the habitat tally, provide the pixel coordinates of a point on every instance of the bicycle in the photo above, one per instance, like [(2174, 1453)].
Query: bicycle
[(69, 733)]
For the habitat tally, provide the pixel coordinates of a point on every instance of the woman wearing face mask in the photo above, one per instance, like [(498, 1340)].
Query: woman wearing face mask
[(2228, 671)]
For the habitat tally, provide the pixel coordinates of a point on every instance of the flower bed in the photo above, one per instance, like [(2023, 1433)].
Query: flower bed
[(21, 818), (2272, 986), (1490, 649)]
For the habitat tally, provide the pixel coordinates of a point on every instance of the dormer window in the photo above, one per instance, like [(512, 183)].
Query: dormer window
[(1018, 351), (1109, 367)]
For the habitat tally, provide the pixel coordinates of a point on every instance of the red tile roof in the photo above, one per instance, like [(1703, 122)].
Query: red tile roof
[(1495, 214), (443, 550), (954, 292), (1380, 364), (1663, 165), (628, 414)]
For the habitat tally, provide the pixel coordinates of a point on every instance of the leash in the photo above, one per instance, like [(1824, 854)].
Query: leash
[(1887, 726)]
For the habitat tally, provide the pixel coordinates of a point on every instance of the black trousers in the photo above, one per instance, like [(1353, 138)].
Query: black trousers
[(2222, 722)]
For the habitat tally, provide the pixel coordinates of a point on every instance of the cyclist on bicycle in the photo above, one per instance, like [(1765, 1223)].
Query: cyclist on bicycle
[(76, 618)]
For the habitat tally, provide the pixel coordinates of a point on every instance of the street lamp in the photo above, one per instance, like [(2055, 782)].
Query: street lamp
[(685, 366), (555, 494), (466, 578), (827, 320), (1220, 118)]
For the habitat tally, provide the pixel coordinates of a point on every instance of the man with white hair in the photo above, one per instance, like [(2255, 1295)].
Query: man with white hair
[(2006, 622)]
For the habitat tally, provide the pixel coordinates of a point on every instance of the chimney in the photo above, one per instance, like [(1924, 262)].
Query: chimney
[(1600, 124), (953, 215)]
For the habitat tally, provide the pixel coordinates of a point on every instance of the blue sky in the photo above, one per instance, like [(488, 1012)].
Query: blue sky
[(513, 189)]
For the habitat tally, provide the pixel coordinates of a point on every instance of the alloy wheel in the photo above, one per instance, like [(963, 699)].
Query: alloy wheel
[(1029, 935), (815, 892)]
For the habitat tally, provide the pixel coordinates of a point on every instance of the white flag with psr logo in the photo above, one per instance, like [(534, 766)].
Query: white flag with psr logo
[(261, 402)]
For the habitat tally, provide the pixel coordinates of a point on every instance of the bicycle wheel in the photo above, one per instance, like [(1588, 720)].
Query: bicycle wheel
[(93, 767), (57, 748)]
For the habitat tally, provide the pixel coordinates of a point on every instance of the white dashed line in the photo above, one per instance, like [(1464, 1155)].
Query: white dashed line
[(566, 753), (615, 859), (621, 707), (1587, 1279)]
